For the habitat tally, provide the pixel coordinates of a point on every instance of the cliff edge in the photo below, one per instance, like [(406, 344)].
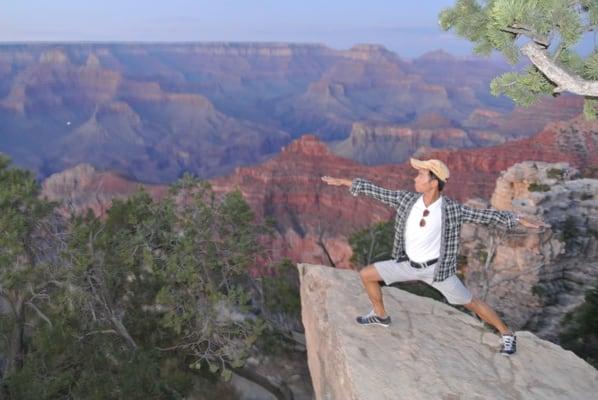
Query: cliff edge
[(431, 350)]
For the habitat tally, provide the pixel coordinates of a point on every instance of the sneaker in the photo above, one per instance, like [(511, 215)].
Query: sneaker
[(372, 319), (508, 344)]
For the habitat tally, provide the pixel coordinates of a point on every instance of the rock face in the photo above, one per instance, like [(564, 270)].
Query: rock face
[(431, 351), (377, 143), (475, 170), (385, 144), (307, 212), (82, 187), (536, 277)]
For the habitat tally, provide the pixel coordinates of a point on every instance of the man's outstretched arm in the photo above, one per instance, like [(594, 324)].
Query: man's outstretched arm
[(362, 186), (494, 217)]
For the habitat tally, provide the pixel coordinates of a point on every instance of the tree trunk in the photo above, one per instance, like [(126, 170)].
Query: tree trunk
[(16, 351), (122, 331), (564, 81)]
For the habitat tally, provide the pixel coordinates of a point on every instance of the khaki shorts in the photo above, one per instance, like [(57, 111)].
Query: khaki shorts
[(451, 288)]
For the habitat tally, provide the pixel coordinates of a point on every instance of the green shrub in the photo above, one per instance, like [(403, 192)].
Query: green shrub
[(580, 333), (281, 290), (586, 196), (570, 230), (555, 173), (538, 187), (373, 243), (538, 291)]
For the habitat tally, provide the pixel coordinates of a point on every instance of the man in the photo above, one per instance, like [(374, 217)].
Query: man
[(426, 243)]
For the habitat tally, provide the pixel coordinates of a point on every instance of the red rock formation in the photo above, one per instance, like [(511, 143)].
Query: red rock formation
[(288, 188), (82, 187), (474, 171)]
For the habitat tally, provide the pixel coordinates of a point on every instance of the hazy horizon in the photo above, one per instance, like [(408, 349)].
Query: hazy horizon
[(464, 56), (408, 30)]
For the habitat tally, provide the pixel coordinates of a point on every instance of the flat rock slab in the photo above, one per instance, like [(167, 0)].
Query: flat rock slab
[(430, 351)]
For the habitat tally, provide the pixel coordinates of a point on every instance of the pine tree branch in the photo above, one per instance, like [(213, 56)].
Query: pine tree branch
[(320, 242), (39, 313), (564, 81), (122, 332), (100, 332), (525, 31)]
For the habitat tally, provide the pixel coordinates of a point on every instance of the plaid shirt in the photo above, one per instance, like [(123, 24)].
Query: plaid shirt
[(453, 216)]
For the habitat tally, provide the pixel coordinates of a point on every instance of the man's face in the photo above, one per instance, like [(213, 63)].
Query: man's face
[(424, 181)]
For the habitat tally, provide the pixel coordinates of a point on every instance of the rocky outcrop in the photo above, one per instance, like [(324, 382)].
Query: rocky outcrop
[(385, 144), (83, 187), (431, 351), (536, 277)]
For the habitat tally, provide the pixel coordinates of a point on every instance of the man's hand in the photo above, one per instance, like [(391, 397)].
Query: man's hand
[(533, 223), (337, 181)]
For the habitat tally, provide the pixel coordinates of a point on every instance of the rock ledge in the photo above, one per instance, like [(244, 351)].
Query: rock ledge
[(431, 351)]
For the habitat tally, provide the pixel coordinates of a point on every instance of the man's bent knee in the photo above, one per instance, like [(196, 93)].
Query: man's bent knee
[(473, 304), (370, 274)]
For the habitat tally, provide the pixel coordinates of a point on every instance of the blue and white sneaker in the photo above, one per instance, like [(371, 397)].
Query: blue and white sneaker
[(372, 319), (508, 344)]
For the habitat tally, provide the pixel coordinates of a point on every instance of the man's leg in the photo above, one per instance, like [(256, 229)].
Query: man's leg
[(487, 314), (508, 341), (456, 293), (370, 278)]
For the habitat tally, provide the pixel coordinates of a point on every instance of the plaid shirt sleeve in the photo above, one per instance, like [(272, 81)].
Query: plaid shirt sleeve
[(388, 197), (488, 217)]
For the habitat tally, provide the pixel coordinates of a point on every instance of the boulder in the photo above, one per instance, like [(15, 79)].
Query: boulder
[(430, 351)]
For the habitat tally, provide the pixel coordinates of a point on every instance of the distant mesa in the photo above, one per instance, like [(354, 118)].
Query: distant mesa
[(437, 55), (54, 56)]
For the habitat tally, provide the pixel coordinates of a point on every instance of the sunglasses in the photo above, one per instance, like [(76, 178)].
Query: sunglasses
[(422, 223)]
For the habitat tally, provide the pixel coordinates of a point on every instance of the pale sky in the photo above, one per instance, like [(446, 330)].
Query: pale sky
[(408, 28)]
